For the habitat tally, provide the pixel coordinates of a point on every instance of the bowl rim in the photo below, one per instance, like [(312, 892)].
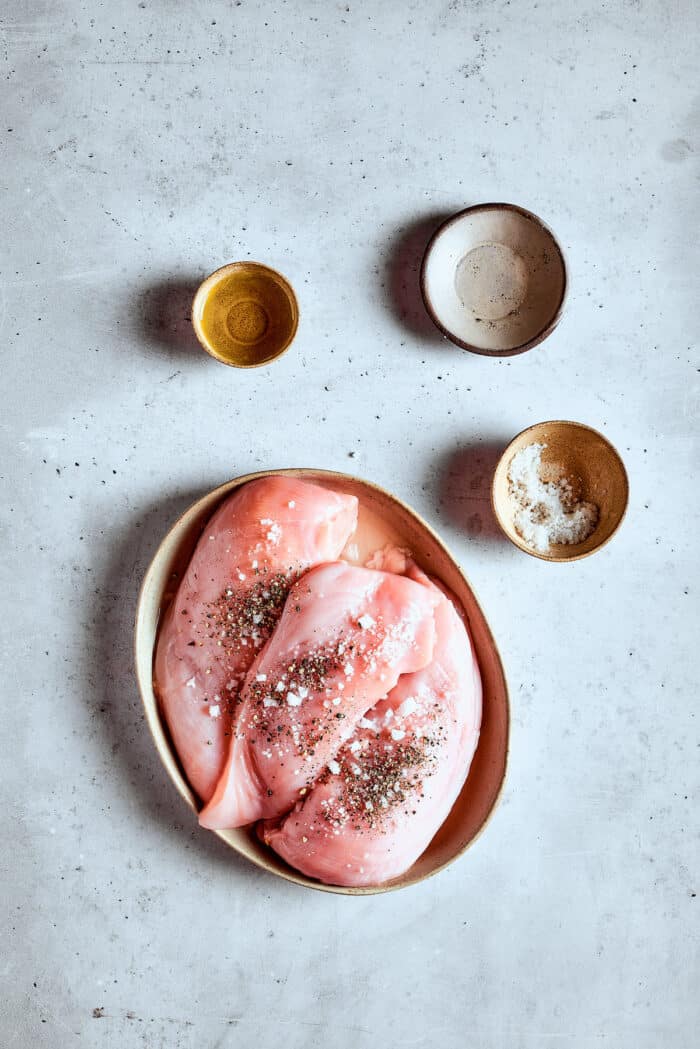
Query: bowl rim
[(427, 301), (156, 726), (502, 463), (219, 274)]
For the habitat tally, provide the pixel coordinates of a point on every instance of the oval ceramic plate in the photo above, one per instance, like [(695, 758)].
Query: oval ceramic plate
[(486, 776)]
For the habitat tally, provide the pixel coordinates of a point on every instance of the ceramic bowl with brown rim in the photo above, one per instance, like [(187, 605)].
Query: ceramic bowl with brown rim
[(245, 314), (591, 466), (494, 280), (484, 783)]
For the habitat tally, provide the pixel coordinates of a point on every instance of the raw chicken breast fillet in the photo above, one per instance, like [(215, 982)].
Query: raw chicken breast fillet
[(387, 791), (346, 635), (255, 546)]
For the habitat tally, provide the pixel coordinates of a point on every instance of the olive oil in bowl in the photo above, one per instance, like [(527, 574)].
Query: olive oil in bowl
[(245, 314)]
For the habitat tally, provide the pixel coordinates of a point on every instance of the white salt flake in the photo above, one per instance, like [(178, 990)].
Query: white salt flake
[(397, 734), (355, 746), (274, 532), (293, 700), (334, 767), (261, 677), (336, 701), (214, 710), (191, 683), (267, 702), (407, 707), (291, 504), (279, 687), (348, 670), (365, 621)]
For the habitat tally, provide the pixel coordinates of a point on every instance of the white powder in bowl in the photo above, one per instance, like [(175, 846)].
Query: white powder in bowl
[(546, 512)]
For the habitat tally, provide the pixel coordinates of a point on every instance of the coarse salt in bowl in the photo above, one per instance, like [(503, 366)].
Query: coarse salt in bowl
[(560, 491)]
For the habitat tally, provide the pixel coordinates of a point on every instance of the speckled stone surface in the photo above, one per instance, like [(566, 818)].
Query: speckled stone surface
[(144, 144)]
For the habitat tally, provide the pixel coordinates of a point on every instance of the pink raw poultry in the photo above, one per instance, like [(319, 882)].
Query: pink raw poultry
[(346, 635), (385, 794), (257, 543)]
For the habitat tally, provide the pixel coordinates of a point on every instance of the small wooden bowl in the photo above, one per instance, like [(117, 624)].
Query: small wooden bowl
[(493, 279), (482, 789), (245, 314), (595, 470)]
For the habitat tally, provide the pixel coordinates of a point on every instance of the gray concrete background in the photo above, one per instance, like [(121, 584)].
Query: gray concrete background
[(144, 144)]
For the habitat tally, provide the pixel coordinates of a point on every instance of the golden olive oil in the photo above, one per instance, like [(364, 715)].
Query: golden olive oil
[(249, 315)]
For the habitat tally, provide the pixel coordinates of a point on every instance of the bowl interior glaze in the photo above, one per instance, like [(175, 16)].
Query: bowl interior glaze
[(494, 279)]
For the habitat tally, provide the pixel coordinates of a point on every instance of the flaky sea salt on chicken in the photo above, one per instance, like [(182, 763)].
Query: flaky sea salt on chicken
[(256, 545), (345, 637), (383, 796)]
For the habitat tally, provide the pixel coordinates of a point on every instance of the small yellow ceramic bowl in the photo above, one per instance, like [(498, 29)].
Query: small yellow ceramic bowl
[(245, 314), (592, 466), (484, 783), (493, 279)]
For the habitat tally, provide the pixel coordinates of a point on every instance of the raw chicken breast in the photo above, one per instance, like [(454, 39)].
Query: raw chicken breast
[(346, 635), (385, 794), (257, 543)]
